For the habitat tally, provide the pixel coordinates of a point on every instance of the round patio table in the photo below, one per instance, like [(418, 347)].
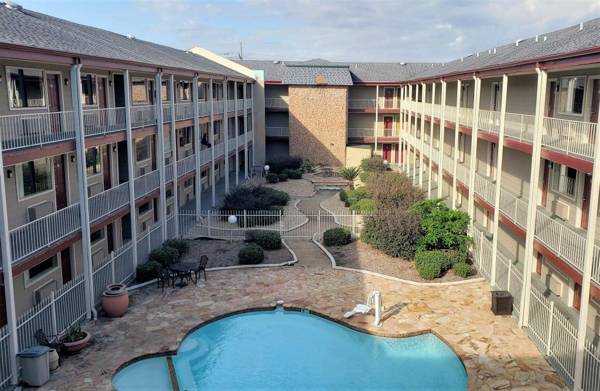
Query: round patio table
[(182, 270)]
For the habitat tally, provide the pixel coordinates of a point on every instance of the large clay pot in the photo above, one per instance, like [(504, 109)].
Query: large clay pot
[(53, 359), (115, 300), (74, 347)]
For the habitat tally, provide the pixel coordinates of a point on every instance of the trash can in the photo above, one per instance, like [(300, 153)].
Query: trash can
[(35, 365)]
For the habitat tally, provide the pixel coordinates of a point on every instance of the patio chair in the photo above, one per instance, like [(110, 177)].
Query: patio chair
[(165, 276), (201, 269)]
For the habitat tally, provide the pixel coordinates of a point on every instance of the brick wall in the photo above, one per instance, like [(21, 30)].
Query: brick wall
[(319, 123)]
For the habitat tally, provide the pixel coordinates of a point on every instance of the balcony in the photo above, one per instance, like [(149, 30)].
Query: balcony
[(277, 131), (204, 108), (26, 130), (184, 111), (370, 133), (361, 104), (276, 103)]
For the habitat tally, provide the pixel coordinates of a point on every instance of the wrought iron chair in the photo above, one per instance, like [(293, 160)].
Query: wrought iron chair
[(201, 269)]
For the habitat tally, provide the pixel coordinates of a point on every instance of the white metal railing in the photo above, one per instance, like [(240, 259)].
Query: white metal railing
[(147, 183), (466, 116), (186, 165), (482, 251), (219, 149), (382, 132), (166, 109), (462, 173), (519, 127), (277, 103), (204, 108), (184, 110), (485, 188), (561, 238), (205, 156), (108, 201), (277, 131), (249, 103), (360, 104), (575, 138), (489, 121), (169, 172), (388, 103), (116, 268), (102, 121), (218, 106), (361, 132), (143, 116), (514, 207), (231, 144), (25, 130)]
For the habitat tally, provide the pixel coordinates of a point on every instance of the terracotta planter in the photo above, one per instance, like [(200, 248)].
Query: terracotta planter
[(53, 359), (74, 347), (115, 300)]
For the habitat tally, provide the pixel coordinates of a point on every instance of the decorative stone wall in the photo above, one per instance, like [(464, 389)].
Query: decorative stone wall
[(319, 123)]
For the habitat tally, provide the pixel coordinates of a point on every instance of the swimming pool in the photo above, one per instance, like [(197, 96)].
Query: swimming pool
[(291, 350)]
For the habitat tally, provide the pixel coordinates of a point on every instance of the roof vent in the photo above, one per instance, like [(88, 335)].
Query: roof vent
[(494, 51), (537, 38), (129, 36), (518, 41), (545, 38), (276, 61), (580, 26), (12, 5), (402, 63)]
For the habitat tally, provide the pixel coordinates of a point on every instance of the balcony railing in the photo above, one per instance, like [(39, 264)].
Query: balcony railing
[(147, 183), (108, 201), (184, 111), (186, 165), (230, 105), (204, 108), (361, 104), (388, 103), (143, 116), (102, 121), (205, 156), (26, 130), (276, 103), (277, 131), (231, 144), (166, 109), (574, 138), (249, 103), (169, 172), (485, 188), (219, 150), (218, 106)]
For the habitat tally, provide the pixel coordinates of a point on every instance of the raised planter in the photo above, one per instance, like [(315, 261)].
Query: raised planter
[(79, 344), (115, 300)]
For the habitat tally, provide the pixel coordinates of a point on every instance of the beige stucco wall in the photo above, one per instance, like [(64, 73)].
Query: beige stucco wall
[(318, 123), (356, 153)]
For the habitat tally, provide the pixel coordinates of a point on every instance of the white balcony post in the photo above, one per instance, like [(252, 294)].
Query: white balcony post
[(226, 131), (442, 139), (588, 262), (237, 134), (211, 135), (198, 147), (376, 115), (173, 135), (473, 156), (431, 141), (86, 247), (456, 151), (533, 191), (9, 292), (161, 153), (130, 169), (498, 186), (253, 117), (422, 133), (246, 162), (409, 130)]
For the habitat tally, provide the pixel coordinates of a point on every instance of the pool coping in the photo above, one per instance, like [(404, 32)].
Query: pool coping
[(292, 308)]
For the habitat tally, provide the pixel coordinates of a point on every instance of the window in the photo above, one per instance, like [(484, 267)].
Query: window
[(97, 236), (464, 95), (164, 91), (93, 161), (139, 91), (88, 89), (41, 268), (142, 149), (184, 91), (462, 143), (571, 92), (188, 183), (26, 88), (496, 96), (185, 136), (564, 180), (36, 177), (144, 208), (492, 160), (202, 95)]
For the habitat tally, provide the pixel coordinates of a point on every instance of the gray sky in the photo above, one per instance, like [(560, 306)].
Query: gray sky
[(426, 30)]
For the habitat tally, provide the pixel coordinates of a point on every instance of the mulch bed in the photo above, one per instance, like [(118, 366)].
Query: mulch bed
[(224, 253), (359, 255)]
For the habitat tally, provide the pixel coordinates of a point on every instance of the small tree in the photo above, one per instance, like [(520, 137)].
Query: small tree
[(350, 174), (442, 228), (392, 190), (393, 231)]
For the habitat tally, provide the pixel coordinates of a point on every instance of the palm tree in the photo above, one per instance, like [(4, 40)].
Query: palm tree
[(350, 174)]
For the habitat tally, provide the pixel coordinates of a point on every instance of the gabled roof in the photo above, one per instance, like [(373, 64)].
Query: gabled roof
[(22, 27)]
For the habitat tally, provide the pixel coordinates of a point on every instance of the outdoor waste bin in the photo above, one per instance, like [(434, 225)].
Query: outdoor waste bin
[(35, 365)]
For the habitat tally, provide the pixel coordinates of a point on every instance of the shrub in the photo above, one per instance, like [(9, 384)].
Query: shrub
[(393, 190), (373, 164), (282, 177), (463, 269), (180, 245), (251, 254), (307, 166), (293, 174), (350, 174), (344, 196), (276, 198), (253, 197), (272, 178), (278, 164), (442, 228), (147, 271), (353, 196), (430, 264), (164, 255), (337, 237), (455, 257), (393, 231), (268, 240), (365, 205)]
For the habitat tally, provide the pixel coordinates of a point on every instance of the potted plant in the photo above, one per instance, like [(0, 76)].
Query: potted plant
[(75, 339), (115, 300)]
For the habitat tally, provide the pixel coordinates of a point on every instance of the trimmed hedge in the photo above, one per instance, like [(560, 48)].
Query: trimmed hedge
[(354, 195), (344, 196), (293, 173), (272, 177), (307, 166), (430, 264), (182, 246), (147, 271), (253, 197), (282, 177), (337, 237), (463, 269), (366, 205), (252, 254), (373, 164), (394, 231), (278, 164), (268, 240), (164, 255)]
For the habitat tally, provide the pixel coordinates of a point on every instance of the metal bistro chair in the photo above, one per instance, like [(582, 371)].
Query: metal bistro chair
[(201, 269), (165, 277)]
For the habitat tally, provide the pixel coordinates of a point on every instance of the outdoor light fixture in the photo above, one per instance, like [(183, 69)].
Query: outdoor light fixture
[(9, 173), (72, 158), (232, 219), (267, 168), (385, 162), (66, 81)]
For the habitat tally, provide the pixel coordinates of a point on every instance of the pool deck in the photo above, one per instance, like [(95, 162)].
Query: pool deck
[(497, 354)]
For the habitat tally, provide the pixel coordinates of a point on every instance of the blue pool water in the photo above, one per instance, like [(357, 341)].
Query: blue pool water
[(286, 350)]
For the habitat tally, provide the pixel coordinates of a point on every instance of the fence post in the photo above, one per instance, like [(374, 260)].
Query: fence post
[(319, 223), (509, 273), (245, 226), (53, 311), (549, 340), (208, 222), (354, 222), (280, 223), (112, 267)]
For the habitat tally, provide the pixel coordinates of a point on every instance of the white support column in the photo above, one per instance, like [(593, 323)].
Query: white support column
[(409, 131), (375, 128), (431, 140), (211, 136), (422, 133), (161, 154), (86, 247), (251, 85), (473, 156), (226, 132), (9, 292), (400, 129), (197, 147), (588, 266), (440, 190), (130, 168), (237, 133), (534, 179), (498, 186), (173, 136), (246, 162), (456, 152)]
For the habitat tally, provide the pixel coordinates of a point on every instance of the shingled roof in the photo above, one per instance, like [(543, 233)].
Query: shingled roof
[(22, 27)]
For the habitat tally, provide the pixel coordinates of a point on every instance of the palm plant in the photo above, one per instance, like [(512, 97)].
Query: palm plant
[(350, 174)]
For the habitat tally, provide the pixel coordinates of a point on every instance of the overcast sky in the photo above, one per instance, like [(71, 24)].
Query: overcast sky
[(415, 30)]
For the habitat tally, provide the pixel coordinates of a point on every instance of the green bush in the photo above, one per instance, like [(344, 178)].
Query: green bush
[(344, 196), (430, 264), (182, 246), (283, 177), (307, 166), (164, 255), (442, 227), (365, 205), (278, 164), (147, 271), (272, 177), (268, 240), (355, 195), (463, 269), (350, 174), (393, 231), (251, 254), (337, 237), (373, 164), (455, 257), (392, 190), (253, 197), (293, 174), (277, 198)]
